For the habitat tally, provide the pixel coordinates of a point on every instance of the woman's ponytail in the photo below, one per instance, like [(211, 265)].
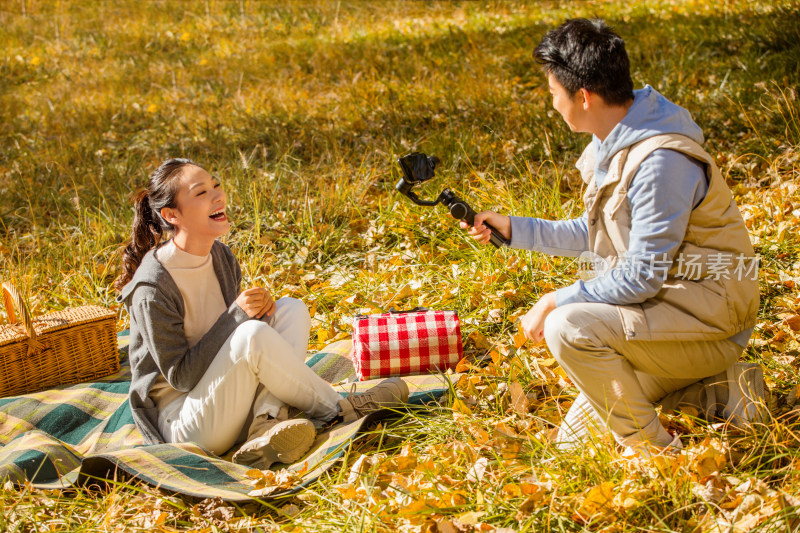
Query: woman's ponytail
[(148, 225), (145, 235)]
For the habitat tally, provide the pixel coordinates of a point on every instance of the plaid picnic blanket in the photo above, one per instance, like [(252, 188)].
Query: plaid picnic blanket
[(70, 435)]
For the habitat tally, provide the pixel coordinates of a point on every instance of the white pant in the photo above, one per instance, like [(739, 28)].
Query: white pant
[(621, 380), (269, 352)]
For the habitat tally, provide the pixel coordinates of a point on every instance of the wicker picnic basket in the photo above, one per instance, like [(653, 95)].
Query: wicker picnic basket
[(61, 348)]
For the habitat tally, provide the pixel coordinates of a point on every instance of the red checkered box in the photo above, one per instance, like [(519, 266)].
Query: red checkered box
[(406, 343)]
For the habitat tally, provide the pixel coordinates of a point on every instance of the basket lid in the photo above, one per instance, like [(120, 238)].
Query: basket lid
[(56, 321)]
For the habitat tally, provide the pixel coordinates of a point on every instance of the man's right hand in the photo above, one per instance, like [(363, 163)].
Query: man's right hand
[(481, 233)]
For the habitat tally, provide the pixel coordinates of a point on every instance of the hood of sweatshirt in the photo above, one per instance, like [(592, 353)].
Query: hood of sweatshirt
[(149, 272), (651, 114)]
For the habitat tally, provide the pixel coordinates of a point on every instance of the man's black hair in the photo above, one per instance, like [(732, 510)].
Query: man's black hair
[(587, 54)]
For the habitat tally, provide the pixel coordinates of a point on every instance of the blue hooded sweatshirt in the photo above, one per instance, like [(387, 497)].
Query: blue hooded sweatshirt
[(662, 194)]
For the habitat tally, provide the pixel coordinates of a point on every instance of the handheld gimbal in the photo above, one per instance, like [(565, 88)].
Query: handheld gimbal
[(418, 167)]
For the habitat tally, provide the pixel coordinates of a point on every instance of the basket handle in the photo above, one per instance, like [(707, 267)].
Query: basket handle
[(11, 299)]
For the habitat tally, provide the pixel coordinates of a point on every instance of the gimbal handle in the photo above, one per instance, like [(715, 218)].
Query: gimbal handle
[(461, 210)]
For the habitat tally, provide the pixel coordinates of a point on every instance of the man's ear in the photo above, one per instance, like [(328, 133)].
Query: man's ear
[(586, 97), (168, 214)]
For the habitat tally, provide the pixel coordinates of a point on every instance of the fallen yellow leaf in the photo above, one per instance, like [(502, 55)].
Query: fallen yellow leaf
[(323, 335), (519, 339), (793, 322), (497, 357), (530, 489), (519, 402), (471, 518), (463, 365), (479, 340), (454, 499), (460, 407), (481, 435), (707, 457), (596, 503)]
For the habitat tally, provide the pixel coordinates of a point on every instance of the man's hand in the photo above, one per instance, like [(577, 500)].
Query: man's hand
[(256, 302), (532, 323), (481, 233)]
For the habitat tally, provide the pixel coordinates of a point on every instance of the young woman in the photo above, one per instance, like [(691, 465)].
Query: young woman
[(206, 357)]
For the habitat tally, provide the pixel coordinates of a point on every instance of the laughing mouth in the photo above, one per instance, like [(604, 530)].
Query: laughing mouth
[(218, 215)]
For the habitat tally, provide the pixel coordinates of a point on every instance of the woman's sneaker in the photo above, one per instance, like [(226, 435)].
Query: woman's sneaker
[(283, 441), (392, 392)]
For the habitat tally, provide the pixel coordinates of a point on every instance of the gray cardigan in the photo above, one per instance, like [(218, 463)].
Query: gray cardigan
[(158, 344)]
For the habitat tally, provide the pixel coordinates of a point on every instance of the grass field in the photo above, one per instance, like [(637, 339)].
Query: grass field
[(301, 108)]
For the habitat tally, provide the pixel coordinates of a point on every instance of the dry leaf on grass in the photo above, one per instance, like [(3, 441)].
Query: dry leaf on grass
[(519, 339), (519, 402), (477, 470), (707, 457), (596, 503), (265, 482), (471, 517)]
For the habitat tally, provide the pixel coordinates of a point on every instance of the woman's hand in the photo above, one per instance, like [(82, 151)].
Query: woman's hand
[(481, 233), (256, 302), (532, 323)]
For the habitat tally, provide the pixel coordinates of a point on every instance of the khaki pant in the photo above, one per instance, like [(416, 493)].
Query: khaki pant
[(622, 381)]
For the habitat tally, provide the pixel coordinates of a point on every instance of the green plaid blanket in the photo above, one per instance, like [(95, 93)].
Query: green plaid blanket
[(69, 435)]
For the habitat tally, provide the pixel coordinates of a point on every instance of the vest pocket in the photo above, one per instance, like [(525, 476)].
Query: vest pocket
[(689, 310)]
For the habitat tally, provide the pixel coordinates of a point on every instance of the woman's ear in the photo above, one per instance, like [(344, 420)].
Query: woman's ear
[(169, 214)]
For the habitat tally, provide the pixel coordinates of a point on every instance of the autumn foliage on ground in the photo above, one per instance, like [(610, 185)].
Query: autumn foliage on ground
[(301, 108)]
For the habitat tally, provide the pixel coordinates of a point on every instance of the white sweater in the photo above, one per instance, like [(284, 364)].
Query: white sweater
[(202, 298)]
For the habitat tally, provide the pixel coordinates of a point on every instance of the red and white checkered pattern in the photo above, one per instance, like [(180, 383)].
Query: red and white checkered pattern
[(404, 344)]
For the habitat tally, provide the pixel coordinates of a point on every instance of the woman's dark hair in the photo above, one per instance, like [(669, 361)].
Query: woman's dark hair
[(587, 54), (148, 224)]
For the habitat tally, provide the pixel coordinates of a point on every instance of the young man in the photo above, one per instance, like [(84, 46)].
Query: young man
[(675, 299)]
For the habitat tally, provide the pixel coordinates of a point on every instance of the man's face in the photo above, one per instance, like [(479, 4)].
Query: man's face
[(570, 107)]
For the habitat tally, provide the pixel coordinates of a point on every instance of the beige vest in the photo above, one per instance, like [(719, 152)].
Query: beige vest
[(711, 290)]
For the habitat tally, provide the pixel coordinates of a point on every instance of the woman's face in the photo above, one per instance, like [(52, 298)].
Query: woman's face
[(200, 206)]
